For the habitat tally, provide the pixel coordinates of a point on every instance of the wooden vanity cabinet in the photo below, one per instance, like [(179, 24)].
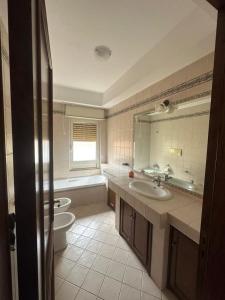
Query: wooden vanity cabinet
[(142, 232), (183, 265), (126, 221), (137, 231), (111, 199)]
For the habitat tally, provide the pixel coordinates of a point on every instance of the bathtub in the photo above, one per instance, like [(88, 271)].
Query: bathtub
[(82, 190)]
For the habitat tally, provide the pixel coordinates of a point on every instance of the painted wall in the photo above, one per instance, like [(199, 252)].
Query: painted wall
[(61, 141), (191, 82)]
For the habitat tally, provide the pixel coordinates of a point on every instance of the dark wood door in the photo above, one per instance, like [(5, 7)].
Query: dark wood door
[(137, 231), (126, 221), (31, 84), (141, 235), (46, 151), (5, 263), (212, 241), (112, 199), (183, 266)]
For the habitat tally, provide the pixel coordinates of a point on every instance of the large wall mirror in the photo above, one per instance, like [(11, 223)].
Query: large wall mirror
[(170, 141)]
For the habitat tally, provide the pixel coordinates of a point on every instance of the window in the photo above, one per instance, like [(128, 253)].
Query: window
[(85, 146)]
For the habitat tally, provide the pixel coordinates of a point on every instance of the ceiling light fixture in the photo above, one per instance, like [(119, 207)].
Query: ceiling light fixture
[(103, 52)]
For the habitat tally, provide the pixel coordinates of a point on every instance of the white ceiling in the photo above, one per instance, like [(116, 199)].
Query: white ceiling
[(149, 40)]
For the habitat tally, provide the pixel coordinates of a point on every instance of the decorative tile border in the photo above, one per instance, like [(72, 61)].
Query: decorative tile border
[(197, 114), (206, 77)]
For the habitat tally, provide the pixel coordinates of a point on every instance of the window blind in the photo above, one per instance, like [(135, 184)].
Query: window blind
[(84, 132)]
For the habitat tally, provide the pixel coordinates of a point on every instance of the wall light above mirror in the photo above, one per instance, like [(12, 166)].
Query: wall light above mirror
[(171, 142)]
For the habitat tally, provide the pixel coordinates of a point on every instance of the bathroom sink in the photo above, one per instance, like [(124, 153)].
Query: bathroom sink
[(149, 189)]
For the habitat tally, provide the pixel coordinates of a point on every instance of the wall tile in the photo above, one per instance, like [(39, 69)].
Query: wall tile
[(120, 127)]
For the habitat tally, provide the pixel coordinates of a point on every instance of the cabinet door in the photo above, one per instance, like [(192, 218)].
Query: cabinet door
[(111, 199), (183, 266), (141, 235), (126, 221)]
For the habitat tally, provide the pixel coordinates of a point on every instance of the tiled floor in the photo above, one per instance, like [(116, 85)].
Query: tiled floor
[(98, 264)]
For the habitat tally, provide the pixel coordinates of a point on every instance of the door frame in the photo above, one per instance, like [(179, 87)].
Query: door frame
[(27, 23), (212, 245), (5, 258), (211, 279), (42, 31)]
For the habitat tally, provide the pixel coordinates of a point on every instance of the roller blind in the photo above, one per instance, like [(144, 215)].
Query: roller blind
[(84, 132)]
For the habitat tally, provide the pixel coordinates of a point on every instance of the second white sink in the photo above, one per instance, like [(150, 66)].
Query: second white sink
[(149, 189)]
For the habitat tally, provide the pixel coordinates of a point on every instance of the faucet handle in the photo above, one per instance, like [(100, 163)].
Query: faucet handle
[(157, 179)]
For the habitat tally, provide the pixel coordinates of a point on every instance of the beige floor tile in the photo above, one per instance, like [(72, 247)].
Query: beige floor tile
[(107, 250), (63, 266), (67, 291), (82, 242), (129, 293), (100, 236), (120, 255), (122, 244), (58, 282), (93, 282), (77, 275), (111, 239), (110, 289), (145, 296), (78, 229), (133, 277), (87, 259), (94, 246), (84, 295), (73, 253), (89, 232), (149, 287), (116, 270), (71, 237), (101, 264), (134, 262)]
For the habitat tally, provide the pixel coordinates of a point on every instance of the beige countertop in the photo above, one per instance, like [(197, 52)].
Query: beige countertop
[(187, 219), (183, 210)]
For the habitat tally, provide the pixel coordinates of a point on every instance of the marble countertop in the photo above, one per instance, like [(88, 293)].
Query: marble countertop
[(183, 210), (188, 220)]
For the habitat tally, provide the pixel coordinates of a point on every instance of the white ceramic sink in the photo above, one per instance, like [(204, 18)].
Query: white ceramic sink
[(149, 189)]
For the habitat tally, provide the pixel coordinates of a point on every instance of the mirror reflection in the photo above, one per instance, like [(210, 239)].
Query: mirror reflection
[(170, 143)]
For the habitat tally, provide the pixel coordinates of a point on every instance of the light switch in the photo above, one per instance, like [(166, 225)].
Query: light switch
[(176, 151)]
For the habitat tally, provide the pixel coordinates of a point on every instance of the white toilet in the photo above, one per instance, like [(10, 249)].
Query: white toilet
[(62, 223)]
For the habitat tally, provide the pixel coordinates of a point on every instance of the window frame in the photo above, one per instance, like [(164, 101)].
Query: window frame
[(84, 165)]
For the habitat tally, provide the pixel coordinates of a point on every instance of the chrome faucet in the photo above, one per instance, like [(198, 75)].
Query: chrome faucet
[(157, 179), (167, 177)]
